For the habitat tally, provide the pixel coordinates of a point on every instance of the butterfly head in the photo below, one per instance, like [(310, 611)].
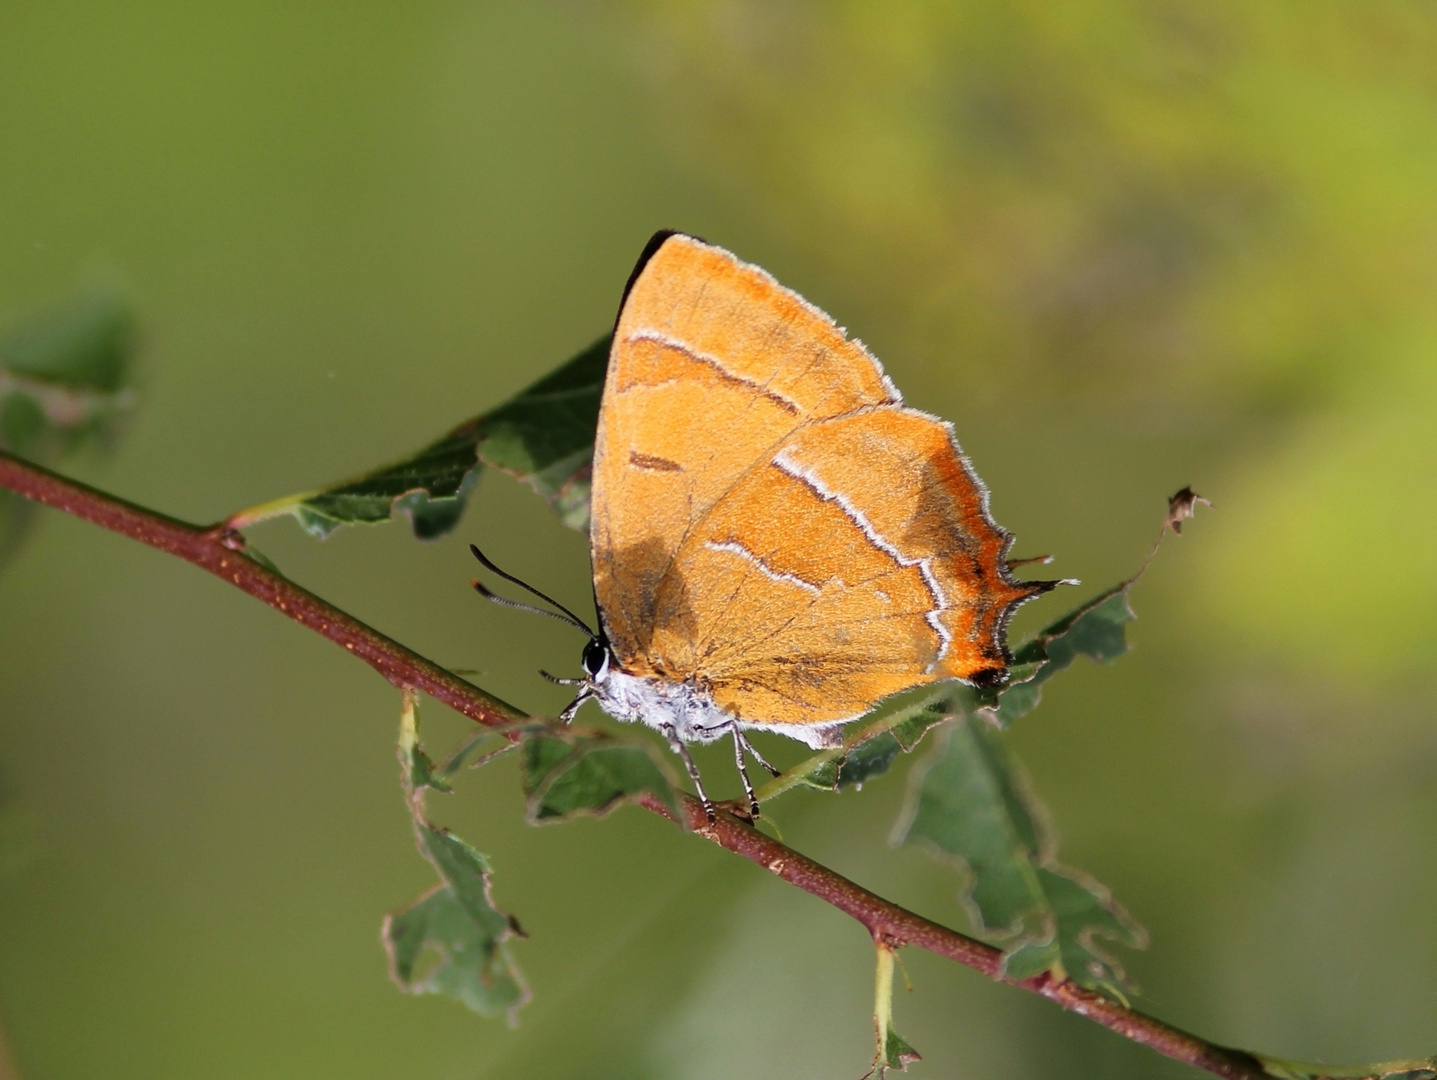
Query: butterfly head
[(597, 656), (596, 660)]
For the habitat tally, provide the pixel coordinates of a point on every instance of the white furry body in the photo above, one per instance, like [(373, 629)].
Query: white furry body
[(689, 711)]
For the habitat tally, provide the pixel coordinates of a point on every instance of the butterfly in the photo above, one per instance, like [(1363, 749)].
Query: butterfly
[(778, 542)]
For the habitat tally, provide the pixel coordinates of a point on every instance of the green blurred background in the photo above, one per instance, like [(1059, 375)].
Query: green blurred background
[(1125, 246)]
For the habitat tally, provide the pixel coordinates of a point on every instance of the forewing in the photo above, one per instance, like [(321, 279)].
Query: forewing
[(855, 560), (713, 365)]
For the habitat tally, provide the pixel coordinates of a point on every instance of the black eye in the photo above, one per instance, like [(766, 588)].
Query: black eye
[(596, 658)]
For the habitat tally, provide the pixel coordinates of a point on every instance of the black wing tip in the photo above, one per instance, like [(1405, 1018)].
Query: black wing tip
[(650, 250)]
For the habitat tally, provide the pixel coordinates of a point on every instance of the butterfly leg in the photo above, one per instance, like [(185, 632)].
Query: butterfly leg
[(738, 744), (677, 746), (567, 716), (756, 755)]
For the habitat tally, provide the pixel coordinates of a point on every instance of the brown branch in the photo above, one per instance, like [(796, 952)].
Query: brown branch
[(899, 926), (220, 550)]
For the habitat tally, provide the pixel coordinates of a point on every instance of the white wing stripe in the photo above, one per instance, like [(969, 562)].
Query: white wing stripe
[(645, 333), (806, 476), (735, 548)]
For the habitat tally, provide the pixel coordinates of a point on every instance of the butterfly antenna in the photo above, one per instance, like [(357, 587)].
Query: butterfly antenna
[(572, 620), (504, 601)]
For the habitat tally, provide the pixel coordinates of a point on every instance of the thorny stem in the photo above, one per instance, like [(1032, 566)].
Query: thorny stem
[(220, 549)]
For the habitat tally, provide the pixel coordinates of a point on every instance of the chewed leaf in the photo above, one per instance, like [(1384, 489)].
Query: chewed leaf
[(543, 436), (429, 488), (472, 967), (578, 772), (62, 382), (970, 803), (1094, 630), (872, 744), (425, 775), (1083, 912), (871, 756), (965, 803), (897, 1054), (456, 920), (466, 871)]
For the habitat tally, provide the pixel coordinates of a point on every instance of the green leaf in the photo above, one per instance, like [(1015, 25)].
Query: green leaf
[(466, 871), (576, 772), (1083, 911), (83, 346), (472, 966), (970, 804), (62, 383), (1281, 1069), (543, 436), (872, 744), (456, 920), (1095, 630), (423, 774), (429, 489), (872, 755), (897, 1054), (62, 378)]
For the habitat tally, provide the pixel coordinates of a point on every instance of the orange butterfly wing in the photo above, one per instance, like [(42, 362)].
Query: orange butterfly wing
[(768, 519)]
